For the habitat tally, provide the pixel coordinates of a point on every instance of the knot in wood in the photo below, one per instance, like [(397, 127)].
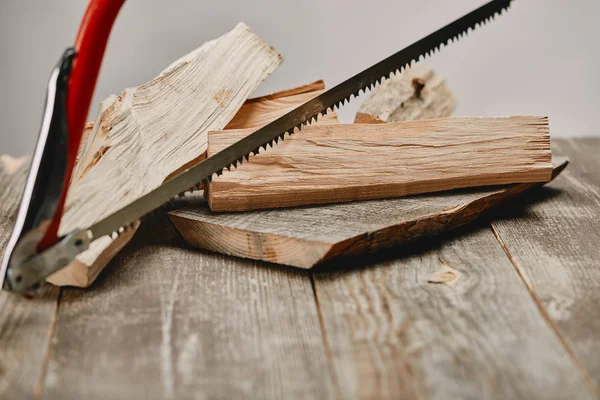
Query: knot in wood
[(418, 84)]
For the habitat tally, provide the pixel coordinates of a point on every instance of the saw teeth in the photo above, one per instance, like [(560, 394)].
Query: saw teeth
[(369, 84)]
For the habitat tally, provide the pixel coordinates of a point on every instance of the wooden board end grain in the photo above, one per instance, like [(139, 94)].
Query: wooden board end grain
[(305, 237)]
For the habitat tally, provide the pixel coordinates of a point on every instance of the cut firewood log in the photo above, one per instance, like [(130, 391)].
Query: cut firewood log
[(306, 237), (340, 163), (417, 93), (153, 131)]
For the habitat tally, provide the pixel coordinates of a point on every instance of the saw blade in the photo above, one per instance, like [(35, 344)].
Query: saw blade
[(293, 121), (30, 271)]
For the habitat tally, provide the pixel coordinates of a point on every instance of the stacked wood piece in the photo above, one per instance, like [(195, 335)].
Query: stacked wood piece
[(308, 236), (341, 163), (152, 132), (417, 93), (253, 113)]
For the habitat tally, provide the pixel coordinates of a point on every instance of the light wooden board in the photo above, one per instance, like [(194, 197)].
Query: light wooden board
[(147, 135), (555, 245), (393, 334), (340, 163), (25, 324), (153, 132), (309, 236), (417, 93), (168, 322)]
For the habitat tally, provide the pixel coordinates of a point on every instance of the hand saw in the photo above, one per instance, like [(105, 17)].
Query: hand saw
[(35, 251)]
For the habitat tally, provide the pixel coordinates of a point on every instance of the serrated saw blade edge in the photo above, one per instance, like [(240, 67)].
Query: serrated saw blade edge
[(295, 119)]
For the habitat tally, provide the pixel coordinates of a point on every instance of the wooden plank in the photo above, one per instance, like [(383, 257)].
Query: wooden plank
[(340, 163), (554, 245), (171, 322), (310, 236), (417, 93), (25, 324), (391, 333)]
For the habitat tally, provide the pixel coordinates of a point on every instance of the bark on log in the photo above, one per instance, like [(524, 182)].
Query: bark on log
[(341, 163), (417, 93)]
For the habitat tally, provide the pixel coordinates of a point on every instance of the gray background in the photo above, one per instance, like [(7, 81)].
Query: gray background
[(541, 58)]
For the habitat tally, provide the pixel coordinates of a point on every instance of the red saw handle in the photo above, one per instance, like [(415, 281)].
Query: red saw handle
[(89, 46)]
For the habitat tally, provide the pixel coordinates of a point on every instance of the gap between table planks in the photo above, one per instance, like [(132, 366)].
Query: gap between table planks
[(554, 245), (96, 336)]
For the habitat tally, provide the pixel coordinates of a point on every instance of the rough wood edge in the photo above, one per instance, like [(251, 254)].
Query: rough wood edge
[(417, 93), (85, 269), (308, 88), (433, 224), (264, 246)]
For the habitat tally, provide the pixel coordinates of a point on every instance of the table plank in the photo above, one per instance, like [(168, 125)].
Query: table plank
[(554, 243), (390, 332), (25, 324), (168, 321)]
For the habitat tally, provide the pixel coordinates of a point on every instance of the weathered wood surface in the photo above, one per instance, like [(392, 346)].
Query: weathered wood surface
[(171, 323), (340, 163), (309, 236), (554, 243), (417, 93), (25, 324), (391, 333)]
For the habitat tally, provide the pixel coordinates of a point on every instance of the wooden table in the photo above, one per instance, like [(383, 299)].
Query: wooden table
[(168, 321)]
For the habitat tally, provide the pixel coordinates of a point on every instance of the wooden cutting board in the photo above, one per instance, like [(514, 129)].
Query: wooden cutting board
[(306, 237)]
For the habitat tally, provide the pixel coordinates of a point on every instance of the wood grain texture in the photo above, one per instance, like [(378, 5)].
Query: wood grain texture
[(417, 93), (257, 112), (554, 245), (25, 324), (340, 163), (309, 236), (172, 323), (144, 139), (392, 334), (88, 265), (155, 131)]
